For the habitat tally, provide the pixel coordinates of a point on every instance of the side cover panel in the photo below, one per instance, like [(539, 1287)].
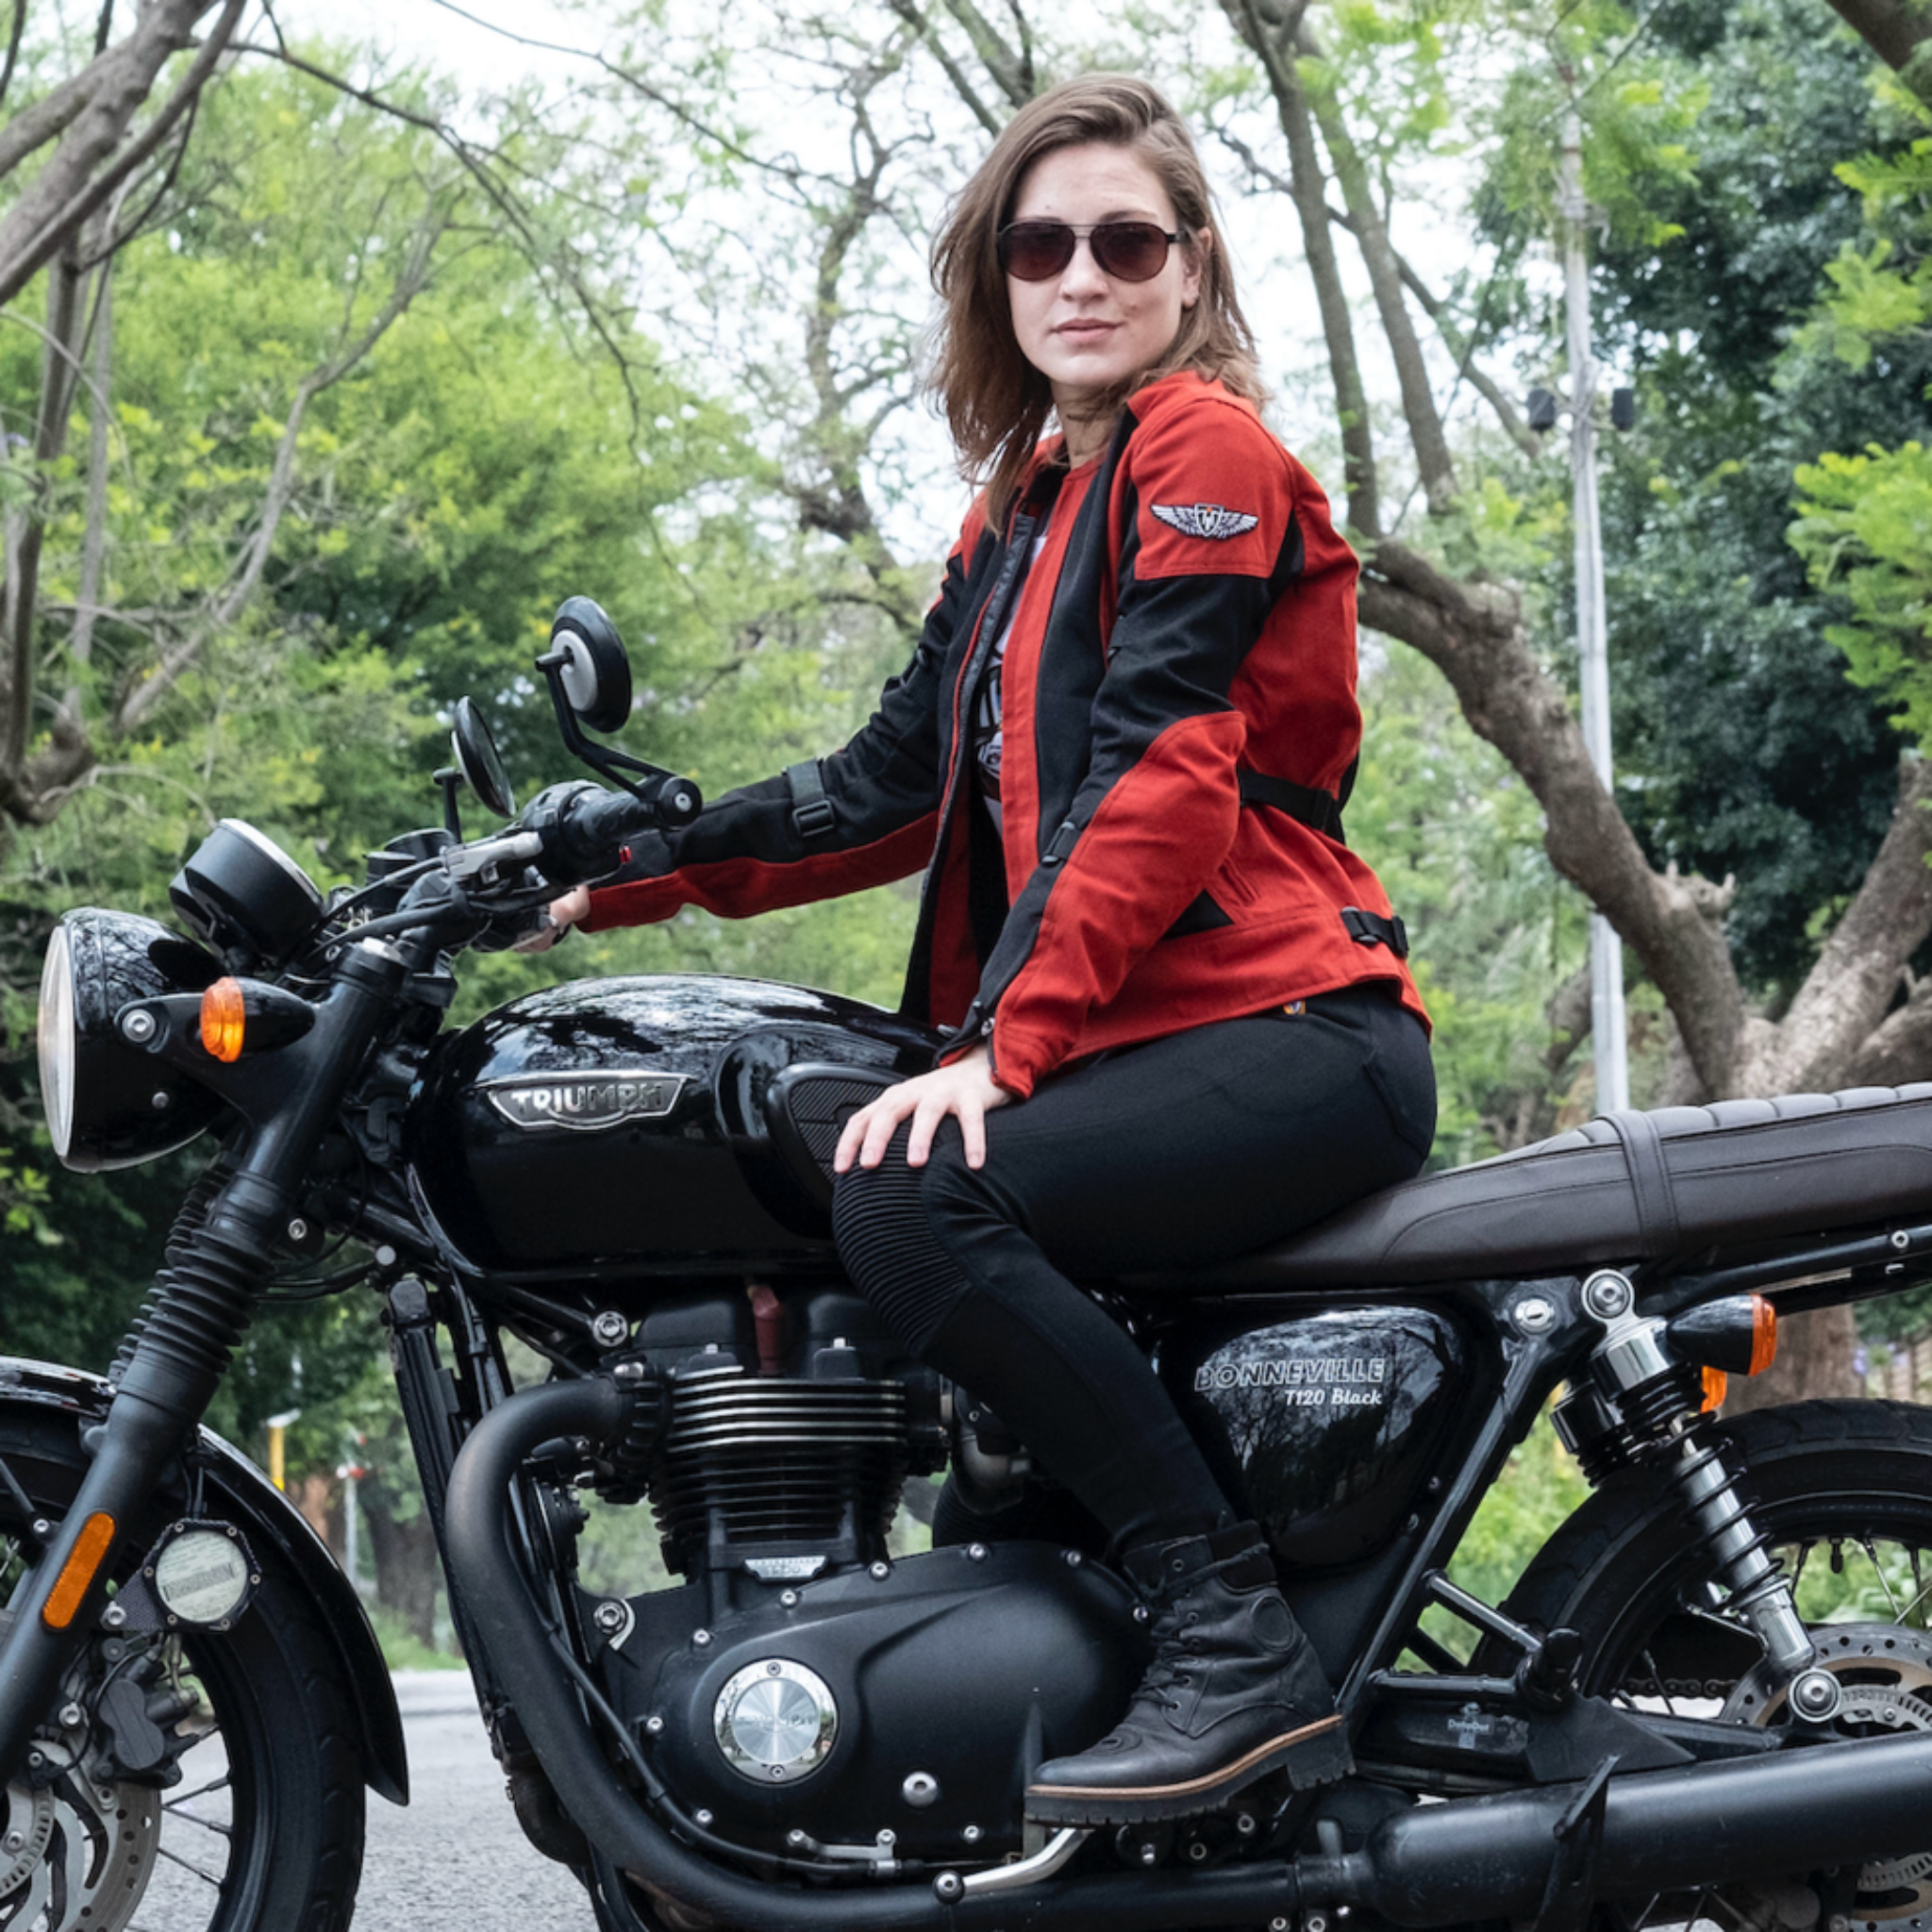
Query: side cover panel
[(235, 1484)]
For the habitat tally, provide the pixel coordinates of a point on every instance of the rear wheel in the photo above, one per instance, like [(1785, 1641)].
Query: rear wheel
[(261, 1831), (1843, 1492)]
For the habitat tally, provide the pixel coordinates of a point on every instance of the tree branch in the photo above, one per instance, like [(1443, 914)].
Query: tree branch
[(1845, 994), (1269, 37), (53, 113), (921, 24), (1898, 1049), (1473, 634), (1896, 31), (1012, 73), (65, 309), (68, 189), (1462, 348), (1434, 464), (13, 41)]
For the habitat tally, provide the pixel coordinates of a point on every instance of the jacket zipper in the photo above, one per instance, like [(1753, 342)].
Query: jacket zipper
[(993, 615)]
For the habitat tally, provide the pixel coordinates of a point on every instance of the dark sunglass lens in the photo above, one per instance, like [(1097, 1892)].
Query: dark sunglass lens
[(1035, 250), (1134, 251)]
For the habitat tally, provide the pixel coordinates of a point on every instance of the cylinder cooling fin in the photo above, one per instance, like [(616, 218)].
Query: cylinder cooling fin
[(752, 1468)]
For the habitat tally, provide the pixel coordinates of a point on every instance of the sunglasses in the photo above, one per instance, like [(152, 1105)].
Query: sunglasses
[(1128, 251)]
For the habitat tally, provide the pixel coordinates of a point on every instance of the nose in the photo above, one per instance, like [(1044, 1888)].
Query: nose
[(1083, 275)]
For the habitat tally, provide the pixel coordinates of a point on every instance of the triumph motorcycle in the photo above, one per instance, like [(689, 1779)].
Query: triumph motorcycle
[(1710, 1696)]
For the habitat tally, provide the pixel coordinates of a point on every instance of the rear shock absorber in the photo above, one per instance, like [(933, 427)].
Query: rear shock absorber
[(1657, 1396)]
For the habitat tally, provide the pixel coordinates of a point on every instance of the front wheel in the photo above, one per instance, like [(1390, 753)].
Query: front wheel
[(260, 1831), (1842, 1491)]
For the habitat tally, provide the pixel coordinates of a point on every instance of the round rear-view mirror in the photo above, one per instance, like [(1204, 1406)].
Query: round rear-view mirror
[(596, 670), (478, 760)]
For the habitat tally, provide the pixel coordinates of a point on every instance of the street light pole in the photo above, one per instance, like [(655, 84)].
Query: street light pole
[(1607, 1023)]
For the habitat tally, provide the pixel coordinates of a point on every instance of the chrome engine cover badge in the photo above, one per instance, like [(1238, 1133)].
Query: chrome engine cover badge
[(776, 1722)]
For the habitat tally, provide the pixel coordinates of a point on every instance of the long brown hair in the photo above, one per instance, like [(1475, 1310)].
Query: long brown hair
[(995, 401)]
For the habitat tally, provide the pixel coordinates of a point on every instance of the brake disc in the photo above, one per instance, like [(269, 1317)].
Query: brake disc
[(86, 1852), (1886, 1673)]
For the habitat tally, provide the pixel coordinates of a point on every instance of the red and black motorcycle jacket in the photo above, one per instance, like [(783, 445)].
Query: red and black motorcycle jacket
[(1180, 725)]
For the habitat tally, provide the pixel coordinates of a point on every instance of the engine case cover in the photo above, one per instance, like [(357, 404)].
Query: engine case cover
[(1326, 1422), (620, 1123), (949, 1679)]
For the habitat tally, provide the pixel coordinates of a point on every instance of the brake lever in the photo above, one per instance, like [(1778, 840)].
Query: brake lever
[(465, 862)]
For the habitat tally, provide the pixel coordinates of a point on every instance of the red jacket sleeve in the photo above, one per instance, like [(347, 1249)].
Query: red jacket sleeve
[(751, 851)]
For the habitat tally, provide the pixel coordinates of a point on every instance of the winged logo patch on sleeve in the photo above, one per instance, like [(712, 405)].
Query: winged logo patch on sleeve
[(1205, 520)]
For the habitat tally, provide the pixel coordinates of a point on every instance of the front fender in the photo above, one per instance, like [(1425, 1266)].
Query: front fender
[(235, 1484)]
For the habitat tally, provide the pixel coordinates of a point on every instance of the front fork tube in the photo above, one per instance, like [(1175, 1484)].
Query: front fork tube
[(204, 1298), (137, 1441)]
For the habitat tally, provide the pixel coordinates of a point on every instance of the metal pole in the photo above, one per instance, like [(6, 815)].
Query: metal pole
[(1607, 1023)]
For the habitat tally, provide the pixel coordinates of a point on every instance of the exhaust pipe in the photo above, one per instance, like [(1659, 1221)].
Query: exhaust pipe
[(1797, 1812), (1436, 1865)]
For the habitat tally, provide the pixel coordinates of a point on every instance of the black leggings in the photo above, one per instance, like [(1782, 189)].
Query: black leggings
[(1182, 1152)]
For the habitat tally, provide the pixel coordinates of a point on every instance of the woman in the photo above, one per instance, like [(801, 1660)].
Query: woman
[(1180, 1023)]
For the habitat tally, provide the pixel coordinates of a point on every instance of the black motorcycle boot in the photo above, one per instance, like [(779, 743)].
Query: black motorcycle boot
[(1235, 1690)]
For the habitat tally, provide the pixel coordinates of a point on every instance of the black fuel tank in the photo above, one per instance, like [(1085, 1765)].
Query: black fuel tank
[(621, 1122), (1328, 1423)]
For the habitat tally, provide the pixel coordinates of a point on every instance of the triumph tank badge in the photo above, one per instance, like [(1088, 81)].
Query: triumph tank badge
[(584, 1103)]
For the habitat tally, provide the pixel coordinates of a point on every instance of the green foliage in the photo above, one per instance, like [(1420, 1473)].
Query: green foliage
[(1456, 838), (1863, 518), (1741, 749), (480, 462), (1866, 525)]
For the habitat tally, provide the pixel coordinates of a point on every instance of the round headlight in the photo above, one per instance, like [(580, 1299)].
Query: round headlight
[(56, 1039), (109, 1103)]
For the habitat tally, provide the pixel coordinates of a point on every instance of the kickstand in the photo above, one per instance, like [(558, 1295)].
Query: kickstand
[(1579, 1835)]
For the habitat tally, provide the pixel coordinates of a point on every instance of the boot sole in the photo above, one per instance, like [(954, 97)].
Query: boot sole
[(1317, 1753)]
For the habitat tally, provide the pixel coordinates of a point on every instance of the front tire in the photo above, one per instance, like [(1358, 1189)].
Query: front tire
[(263, 1832), (1843, 1492)]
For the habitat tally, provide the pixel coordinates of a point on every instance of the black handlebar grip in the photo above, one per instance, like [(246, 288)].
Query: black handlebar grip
[(597, 823)]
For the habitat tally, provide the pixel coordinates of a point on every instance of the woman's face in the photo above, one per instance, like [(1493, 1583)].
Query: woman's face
[(1083, 329)]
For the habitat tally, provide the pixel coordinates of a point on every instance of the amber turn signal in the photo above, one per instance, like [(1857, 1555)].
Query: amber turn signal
[(1715, 1384), (1763, 1335), (77, 1573), (223, 1020)]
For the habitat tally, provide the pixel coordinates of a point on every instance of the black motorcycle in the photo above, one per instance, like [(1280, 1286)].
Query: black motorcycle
[(1710, 1694)]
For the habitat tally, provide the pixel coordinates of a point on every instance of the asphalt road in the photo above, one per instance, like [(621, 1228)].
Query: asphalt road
[(454, 1859)]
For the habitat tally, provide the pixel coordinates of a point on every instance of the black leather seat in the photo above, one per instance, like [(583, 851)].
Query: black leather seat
[(1623, 1188)]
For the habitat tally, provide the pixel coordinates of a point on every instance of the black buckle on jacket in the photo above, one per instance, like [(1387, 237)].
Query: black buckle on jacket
[(812, 815), (1372, 929)]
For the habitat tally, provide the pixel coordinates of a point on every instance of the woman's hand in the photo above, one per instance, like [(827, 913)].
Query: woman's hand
[(965, 1089), (564, 913)]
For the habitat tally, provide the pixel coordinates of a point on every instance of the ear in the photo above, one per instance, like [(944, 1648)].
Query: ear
[(1195, 262)]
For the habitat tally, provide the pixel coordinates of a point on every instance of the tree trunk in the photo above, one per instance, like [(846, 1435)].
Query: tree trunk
[(1895, 30), (408, 1573)]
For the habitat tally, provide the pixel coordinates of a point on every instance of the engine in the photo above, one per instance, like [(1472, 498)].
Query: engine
[(783, 1433), (804, 1692)]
